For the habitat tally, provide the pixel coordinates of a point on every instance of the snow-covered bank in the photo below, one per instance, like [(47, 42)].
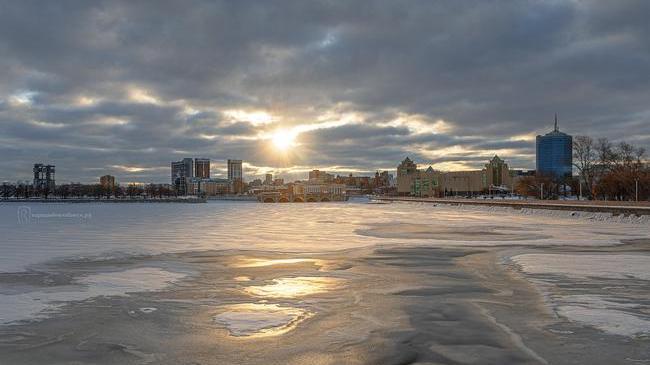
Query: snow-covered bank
[(572, 214), (607, 291)]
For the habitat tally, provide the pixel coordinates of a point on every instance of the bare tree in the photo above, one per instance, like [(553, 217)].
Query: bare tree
[(607, 154), (629, 156), (585, 157)]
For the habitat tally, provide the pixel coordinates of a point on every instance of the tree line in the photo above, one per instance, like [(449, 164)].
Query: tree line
[(95, 191), (611, 171), (605, 171)]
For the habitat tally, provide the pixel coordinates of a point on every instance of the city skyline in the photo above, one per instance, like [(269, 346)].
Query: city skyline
[(102, 88)]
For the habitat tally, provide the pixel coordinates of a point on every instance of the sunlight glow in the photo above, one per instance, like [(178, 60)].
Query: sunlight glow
[(284, 139), (85, 101), (255, 118), (142, 96)]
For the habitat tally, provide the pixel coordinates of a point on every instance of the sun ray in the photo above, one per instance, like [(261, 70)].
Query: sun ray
[(284, 139)]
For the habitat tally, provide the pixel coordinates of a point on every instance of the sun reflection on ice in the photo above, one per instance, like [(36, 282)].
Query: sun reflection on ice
[(272, 262), (260, 320), (295, 287)]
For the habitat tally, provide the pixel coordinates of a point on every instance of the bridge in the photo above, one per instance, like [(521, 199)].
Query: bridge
[(279, 197)]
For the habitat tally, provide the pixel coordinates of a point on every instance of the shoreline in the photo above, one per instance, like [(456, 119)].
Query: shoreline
[(591, 207), (87, 200)]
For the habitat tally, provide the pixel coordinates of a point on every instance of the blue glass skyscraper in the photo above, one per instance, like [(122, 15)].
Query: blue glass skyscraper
[(555, 154)]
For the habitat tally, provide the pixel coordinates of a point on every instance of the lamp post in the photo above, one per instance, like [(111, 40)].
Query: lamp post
[(636, 189), (580, 188)]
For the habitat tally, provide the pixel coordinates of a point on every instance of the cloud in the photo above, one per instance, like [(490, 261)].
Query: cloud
[(90, 86)]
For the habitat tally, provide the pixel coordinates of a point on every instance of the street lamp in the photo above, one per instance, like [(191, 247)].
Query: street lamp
[(636, 189), (580, 188)]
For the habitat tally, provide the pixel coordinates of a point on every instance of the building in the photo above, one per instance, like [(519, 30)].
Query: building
[(382, 179), (495, 176), (497, 173), (107, 182), (202, 168), (268, 179), (317, 176), (181, 171), (235, 170), (301, 192), (44, 177), (554, 154), (405, 173), (236, 176), (208, 187)]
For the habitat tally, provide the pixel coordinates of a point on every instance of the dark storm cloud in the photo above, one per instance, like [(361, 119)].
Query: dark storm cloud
[(125, 87)]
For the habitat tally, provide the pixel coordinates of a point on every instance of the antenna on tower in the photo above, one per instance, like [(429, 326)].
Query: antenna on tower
[(556, 122)]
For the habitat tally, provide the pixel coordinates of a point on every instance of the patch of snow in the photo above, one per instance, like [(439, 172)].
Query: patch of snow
[(584, 266), (253, 319), (40, 304)]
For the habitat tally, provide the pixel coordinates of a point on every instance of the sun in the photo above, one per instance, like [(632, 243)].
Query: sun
[(283, 139)]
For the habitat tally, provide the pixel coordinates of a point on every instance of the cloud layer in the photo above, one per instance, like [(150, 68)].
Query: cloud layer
[(126, 87)]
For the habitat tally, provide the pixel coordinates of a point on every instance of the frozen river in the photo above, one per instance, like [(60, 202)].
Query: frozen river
[(37, 233), (250, 270)]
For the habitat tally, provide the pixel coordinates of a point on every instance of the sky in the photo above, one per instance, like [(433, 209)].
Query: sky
[(126, 87)]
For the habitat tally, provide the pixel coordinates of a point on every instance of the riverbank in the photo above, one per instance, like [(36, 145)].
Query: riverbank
[(88, 200), (614, 208)]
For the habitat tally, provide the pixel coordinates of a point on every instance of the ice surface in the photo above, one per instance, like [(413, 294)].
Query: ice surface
[(40, 303), (127, 229), (609, 320), (295, 287), (603, 266), (133, 280), (124, 230), (606, 291), (255, 319)]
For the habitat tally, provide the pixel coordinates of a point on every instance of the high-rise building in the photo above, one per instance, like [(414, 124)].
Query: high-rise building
[(202, 168), (235, 176), (44, 177), (268, 179), (554, 154), (181, 172), (235, 170), (107, 181)]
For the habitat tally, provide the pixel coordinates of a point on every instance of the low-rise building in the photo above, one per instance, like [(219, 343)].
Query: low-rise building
[(495, 176), (320, 177), (208, 187)]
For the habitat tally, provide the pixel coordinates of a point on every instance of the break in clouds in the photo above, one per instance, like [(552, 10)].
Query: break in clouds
[(126, 87)]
